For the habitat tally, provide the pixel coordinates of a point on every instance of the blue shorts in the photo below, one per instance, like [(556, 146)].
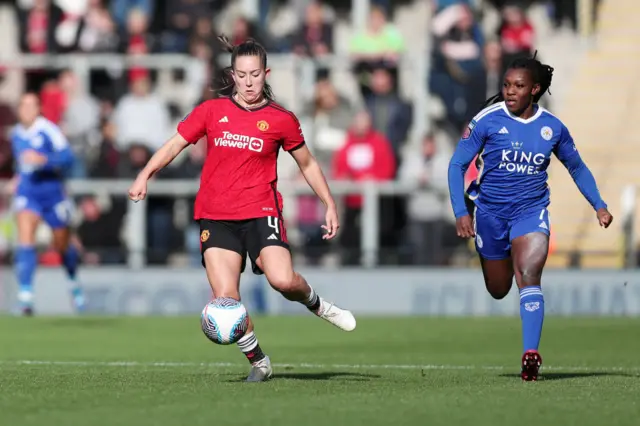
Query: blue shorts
[(54, 211), (494, 235)]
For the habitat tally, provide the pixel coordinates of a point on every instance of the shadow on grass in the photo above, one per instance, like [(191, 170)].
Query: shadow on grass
[(326, 375), (576, 375)]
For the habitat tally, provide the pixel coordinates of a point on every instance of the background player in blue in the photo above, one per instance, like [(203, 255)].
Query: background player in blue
[(42, 156), (514, 138)]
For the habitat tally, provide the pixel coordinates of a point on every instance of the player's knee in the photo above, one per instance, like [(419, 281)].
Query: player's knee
[(284, 282), (497, 294), (531, 276)]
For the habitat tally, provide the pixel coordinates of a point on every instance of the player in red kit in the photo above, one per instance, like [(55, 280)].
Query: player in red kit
[(238, 204)]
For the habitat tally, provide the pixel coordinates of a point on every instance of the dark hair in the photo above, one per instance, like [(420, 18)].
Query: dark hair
[(250, 47), (540, 74)]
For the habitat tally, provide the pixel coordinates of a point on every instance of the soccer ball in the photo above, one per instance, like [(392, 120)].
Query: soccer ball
[(224, 320)]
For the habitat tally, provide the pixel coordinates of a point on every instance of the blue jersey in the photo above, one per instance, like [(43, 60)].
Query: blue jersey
[(513, 157), (41, 188), (45, 138)]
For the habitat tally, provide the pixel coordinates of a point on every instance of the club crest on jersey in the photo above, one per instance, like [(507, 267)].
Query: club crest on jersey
[(263, 125), (204, 236), (546, 133)]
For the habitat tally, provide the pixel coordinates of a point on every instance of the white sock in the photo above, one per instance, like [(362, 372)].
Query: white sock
[(312, 300), (248, 342)]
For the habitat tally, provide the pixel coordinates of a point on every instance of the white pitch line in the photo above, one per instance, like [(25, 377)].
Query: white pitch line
[(168, 364)]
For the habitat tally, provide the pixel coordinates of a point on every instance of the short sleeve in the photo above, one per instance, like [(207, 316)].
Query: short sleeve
[(58, 140), (566, 148), (194, 126), (292, 136)]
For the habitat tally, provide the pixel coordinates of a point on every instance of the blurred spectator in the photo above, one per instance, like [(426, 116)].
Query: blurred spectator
[(390, 114), (80, 120), (191, 168), (380, 45), (102, 219), (108, 157), (566, 10), (332, 115), (96, 31), (366, 155), (438, 5), (121, 9), (160, 209), (137, 41), (243, 29), (53, 101), (494, 67), (7, 120), (141, 117), (315, 37), (516, 34), (38, 26), (182, 18), (457, 75), (204, 33), (427, 207)]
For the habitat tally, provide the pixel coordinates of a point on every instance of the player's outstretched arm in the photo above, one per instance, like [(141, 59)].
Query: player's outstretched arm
[(586, 183), (569, 156), (163, 157), (315, 178)]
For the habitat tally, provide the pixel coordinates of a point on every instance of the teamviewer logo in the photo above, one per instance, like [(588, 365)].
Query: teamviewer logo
[(256, 144)]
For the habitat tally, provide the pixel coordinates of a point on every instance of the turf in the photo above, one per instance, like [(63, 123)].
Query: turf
[(163, 371)]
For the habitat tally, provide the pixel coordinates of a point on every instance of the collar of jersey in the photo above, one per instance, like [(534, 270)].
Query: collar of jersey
[(534, 117), (32, 130), (266, 104)]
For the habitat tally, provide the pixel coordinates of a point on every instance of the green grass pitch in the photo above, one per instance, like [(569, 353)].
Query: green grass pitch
[(390, 371)]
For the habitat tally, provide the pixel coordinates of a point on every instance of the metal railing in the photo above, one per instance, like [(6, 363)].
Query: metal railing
[(136, 243), (137, 217)]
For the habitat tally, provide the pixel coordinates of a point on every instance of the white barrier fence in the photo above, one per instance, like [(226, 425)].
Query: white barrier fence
[(371, 191), (385, 291)]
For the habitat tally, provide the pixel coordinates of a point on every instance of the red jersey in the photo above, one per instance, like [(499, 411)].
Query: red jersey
[(239, 175)]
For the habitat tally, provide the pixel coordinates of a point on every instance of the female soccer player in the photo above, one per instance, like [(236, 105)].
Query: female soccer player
[(238, 205), (514, 138), (42, 155)]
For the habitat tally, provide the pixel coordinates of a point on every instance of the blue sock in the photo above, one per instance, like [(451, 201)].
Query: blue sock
[(70, 260), (25, 262), (532, 315)]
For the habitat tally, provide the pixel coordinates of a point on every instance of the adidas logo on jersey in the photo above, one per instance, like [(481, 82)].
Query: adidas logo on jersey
[(504, 131), (272, 237), (223, 120), (543, 225)]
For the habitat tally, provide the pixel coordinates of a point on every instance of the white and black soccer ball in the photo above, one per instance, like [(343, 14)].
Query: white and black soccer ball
[(224, 320)]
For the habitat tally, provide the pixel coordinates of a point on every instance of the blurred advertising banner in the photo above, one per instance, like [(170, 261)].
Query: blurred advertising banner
[(383, 291)]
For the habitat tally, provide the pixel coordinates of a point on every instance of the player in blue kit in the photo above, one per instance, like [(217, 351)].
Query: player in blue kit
[(514, 139), (42, 155)]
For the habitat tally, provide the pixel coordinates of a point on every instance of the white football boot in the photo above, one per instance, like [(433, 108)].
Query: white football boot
[(261, 371), (341, 318)]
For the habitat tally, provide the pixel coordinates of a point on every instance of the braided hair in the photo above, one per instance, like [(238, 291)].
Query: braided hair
[(540, 74), (225, 84)]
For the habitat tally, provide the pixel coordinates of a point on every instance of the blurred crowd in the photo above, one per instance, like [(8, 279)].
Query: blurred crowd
[(117, 124)]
